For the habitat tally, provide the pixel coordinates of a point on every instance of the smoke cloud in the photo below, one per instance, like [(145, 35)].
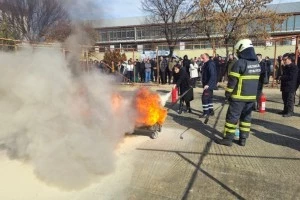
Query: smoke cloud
[(84, 10), (60, 122)]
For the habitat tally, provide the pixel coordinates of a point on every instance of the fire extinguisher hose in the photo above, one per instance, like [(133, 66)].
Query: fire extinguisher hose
[(180, 97)]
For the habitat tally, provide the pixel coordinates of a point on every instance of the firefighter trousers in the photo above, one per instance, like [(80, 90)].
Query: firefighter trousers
[(238, 111)]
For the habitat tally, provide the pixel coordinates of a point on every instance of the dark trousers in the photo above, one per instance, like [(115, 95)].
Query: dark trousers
[(169, 75), (193, 82), (187, 103), (288, 102), (238, 111), (163, 77), (142, 75), (207, 101)]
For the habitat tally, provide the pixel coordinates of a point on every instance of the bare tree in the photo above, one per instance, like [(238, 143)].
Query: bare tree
[(173, 17), (30, 19), (231, 20)]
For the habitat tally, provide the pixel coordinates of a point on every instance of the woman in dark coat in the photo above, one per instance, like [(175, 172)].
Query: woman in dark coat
[(183, 84)]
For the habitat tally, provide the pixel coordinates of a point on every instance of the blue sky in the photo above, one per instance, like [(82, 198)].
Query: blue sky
[(96, 9)]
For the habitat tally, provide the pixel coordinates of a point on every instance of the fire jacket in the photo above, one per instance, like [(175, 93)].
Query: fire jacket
[(243, 81)]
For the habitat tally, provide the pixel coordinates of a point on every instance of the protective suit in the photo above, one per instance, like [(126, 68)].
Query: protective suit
[(241, 93)]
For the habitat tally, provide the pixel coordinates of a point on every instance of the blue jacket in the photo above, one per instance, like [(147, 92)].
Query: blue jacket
[(209, 74)]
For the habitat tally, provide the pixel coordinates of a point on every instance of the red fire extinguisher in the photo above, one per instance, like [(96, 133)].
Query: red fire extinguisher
[(262, 103), (174, 94)]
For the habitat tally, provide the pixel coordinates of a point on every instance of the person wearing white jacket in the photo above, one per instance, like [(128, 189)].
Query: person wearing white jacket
[(193, 73)]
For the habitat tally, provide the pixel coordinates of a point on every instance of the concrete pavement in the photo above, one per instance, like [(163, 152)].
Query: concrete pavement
[(195, 167)]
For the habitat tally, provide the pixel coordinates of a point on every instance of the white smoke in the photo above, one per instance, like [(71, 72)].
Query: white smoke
[(164, 98), (62, 124), (84, 10)]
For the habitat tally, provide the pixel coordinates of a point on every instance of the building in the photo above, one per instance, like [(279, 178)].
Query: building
[(132, 33)]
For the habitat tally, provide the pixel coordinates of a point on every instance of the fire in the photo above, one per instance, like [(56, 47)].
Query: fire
[(149, 109)]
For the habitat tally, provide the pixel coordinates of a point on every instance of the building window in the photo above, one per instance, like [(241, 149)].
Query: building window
[(130, 34), (283, 26), (290, 23), (103, 36), (297, 22)]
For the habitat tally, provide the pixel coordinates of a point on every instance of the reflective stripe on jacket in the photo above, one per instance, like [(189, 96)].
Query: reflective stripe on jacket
[(243, 80)]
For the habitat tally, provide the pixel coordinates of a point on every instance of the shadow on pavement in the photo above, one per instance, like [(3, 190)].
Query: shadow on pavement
[(275, 111), (196, 124), (285, 135)]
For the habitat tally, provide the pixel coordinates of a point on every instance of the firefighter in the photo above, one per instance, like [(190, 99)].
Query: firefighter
[(241, 93)]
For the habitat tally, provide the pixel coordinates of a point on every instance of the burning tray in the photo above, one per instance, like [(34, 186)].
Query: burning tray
[(152, 129)]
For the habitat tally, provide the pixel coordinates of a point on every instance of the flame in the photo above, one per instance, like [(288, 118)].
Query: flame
[(149, 109)]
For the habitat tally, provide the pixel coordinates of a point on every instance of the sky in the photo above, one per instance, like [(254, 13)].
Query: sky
[(113, 9)]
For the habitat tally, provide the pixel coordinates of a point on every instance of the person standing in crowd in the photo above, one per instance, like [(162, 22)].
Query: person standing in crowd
[(183, 83), (216, 60), (148, 71), (241, 93), (153, 70), (200, 65), (142, 71), (186, 64), (209, 82), (261, 79), (288, 84), (137, 71), (130, 71), (268, 66), (222, 69), (162, 69), (278, 69), (124, 71), (171, 64), (193, 73)]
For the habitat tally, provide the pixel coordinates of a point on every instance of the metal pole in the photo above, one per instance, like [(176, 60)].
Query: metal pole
[(297, 50), (273, 81), (157, 66), (133, 61)]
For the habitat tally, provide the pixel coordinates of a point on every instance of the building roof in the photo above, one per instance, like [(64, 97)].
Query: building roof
[(283, 8), (128, 21)]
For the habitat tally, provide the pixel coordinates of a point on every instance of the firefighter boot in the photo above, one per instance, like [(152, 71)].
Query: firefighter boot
[(243, 137), (242, 141), (227, 140)]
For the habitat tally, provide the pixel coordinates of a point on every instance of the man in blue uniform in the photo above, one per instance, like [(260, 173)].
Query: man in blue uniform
[(241, 93), (209, 82)]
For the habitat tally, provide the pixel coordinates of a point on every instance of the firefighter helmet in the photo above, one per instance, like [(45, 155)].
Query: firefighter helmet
[(242, 45)]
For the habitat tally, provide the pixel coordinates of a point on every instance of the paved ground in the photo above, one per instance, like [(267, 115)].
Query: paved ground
[(195, 167)]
